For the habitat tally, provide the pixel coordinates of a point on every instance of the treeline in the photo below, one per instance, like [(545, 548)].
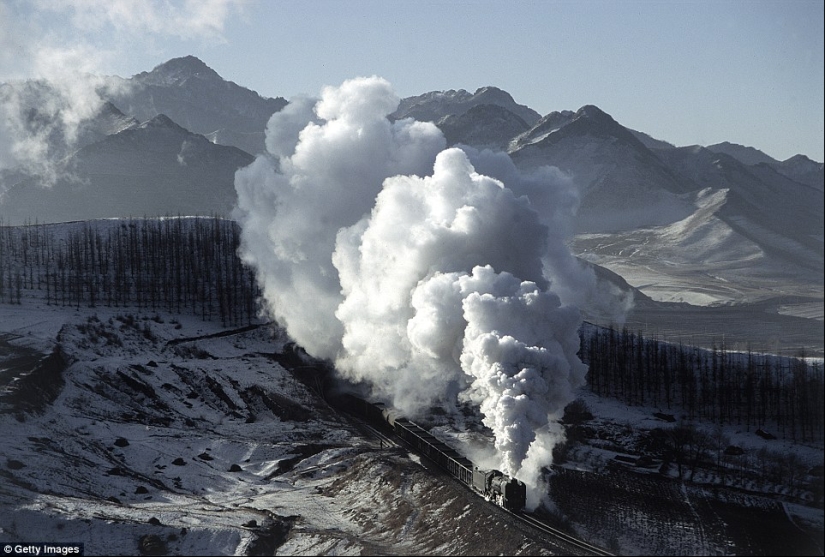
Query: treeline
[(754, 391), (174, 264)]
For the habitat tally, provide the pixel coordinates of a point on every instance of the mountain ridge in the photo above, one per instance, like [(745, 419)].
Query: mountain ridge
[(434, 105), (196, 97), (156, 168), (639, 189)]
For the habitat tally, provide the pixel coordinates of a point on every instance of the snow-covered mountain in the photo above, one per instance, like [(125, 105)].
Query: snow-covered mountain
[(622, 185), (155, 168), (196, 97), (717, 225), (109, 120), (171, 435), (435, 105), (686, 224), (135, 422), (38, 110)]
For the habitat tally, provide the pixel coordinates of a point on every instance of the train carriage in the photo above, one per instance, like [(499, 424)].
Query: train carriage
[(493, 485)]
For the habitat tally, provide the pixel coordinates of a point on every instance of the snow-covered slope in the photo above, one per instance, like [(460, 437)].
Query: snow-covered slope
[(109, 120), (683, 224), (163, 440), (138, 431), (39, 118)]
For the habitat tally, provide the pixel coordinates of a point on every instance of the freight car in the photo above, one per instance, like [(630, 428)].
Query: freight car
[(493, 485)]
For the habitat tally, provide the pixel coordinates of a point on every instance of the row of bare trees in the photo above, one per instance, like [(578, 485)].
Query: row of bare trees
[(176, 264), (191, 265), (747, 389)]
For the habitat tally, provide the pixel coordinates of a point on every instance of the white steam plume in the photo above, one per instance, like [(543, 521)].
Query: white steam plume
[(575, 283), (328, 180), (414, 273)]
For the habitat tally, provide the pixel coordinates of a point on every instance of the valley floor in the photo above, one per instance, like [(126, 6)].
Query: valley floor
[(760, 327)]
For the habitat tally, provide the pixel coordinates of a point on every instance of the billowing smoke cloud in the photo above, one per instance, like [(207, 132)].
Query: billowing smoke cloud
[(52, 78), (416, 274), (556, 205), (330, 173)]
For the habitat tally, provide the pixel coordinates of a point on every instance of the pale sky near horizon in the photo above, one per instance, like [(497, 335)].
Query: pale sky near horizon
[(689, 72)]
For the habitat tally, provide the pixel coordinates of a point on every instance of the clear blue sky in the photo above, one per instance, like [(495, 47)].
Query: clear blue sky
[(690, 72)]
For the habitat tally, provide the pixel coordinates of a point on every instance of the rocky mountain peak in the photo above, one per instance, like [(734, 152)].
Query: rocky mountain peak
[(493, 95), (550, 122), (435, 105), (178, 71), (163, 121), (803, 170), (745, 155), (593, 121), (195, 97), (801, 160), (595, 113)]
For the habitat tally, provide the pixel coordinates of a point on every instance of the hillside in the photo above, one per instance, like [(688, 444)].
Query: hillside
[(148, 419)]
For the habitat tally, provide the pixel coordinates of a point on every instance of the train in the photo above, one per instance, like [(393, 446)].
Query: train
[(495, 486)]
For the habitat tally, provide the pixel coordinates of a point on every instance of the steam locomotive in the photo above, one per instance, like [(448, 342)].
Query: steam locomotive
[(493, 485)]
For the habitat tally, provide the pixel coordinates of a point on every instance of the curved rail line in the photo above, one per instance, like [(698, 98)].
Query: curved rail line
[(527, 518), (536, 523)]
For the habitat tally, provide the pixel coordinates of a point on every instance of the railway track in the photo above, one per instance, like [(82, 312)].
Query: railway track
[(559, 535), (386, 441), (575, 545)]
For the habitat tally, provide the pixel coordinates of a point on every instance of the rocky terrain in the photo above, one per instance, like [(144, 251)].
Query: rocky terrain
[(139, 432)]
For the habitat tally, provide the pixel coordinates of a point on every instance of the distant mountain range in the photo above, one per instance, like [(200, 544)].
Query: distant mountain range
[(156, 168), (706, 225), (659, 215), (194, 96)]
